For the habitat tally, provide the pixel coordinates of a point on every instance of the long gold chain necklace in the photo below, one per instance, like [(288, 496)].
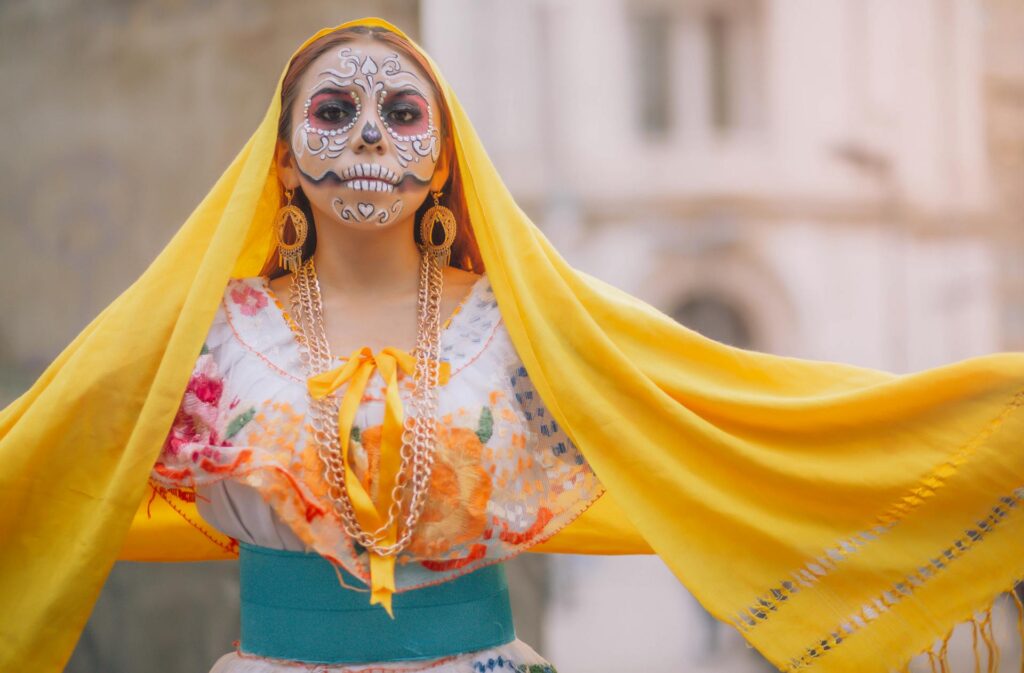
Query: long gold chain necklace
[(418, 436)]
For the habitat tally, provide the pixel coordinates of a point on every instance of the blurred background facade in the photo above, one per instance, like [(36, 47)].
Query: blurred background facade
[(833, 179)]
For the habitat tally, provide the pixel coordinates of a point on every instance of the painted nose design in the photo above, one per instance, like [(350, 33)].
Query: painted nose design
[(371, 134)]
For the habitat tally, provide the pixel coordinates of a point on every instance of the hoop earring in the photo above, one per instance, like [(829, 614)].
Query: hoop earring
[(438, 215), (289, 255)]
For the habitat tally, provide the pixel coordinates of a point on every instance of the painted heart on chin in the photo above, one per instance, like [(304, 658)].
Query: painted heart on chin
[(365, 209)]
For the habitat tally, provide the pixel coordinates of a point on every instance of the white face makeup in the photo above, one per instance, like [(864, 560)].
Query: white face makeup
[(365, 140)]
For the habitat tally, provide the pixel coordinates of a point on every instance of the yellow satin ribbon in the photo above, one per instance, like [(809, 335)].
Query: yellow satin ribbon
[(356, 371)]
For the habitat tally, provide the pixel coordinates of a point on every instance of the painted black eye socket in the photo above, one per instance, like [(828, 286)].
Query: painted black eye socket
[(403, 113), (335, 112)]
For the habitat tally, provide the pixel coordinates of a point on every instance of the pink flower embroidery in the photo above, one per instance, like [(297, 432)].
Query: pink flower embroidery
[(249, 300), (198, 419)]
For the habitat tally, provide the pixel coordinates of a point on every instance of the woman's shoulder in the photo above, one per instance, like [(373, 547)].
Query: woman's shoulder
[(475, 338), (248, 327), (244, 301), (248, 296), (279, 287), (459, 282)]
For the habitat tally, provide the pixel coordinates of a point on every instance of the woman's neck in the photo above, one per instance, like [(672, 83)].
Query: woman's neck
[(377, 262)]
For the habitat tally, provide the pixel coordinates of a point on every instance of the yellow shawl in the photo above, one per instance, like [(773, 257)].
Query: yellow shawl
[(841, 518)]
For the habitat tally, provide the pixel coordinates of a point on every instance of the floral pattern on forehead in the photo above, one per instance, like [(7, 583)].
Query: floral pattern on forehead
[(375, 81)]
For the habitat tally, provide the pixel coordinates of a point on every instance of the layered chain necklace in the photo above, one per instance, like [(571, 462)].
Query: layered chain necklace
[(408, 496)]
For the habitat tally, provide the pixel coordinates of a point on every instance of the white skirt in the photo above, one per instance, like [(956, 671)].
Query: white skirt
[(514, 657)]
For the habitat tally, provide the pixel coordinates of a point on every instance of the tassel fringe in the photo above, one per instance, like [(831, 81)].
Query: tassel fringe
[(985, 651)]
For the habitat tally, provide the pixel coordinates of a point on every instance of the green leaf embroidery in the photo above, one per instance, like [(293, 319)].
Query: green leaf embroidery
[(535, 668), (356, 434), (239, 422), (485, 428), (205, 350)]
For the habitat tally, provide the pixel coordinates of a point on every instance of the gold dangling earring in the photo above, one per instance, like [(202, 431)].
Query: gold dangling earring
[(438, 215), (289, 255)]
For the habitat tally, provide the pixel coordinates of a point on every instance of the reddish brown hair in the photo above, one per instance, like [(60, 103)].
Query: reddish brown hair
[(465, 253)]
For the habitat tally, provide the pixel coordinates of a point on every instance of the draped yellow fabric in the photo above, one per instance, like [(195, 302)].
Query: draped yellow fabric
[(841, 518)]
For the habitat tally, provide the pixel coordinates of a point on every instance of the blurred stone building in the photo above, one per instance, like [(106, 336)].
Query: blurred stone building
[(834, 179), (1003, 85)]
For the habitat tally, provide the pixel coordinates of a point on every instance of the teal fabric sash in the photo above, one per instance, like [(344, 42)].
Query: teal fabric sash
[(293, 607)]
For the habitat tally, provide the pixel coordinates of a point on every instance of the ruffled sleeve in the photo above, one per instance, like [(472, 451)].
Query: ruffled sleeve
[(201, 443), (553, 479), (241, 418)]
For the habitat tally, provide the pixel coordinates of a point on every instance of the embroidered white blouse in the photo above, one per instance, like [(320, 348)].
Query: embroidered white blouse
[(505, 476)]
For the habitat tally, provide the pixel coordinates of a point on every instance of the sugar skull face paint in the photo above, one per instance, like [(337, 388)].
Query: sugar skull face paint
[(366, 211), (365, 138)]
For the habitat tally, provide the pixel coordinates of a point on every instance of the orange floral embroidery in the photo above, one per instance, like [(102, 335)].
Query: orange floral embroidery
[(544, 517), (476, 552), (280, 429), (312, 467), (365, 453), (456, 507)]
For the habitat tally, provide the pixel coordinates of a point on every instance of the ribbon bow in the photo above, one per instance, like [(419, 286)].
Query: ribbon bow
[(356, 371)]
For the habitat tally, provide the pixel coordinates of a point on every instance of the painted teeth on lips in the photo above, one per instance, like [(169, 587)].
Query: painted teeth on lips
[(374, 172), (371, 185)]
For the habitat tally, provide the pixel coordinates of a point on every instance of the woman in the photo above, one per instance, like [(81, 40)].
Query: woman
[(841, 518), (363, 143)]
